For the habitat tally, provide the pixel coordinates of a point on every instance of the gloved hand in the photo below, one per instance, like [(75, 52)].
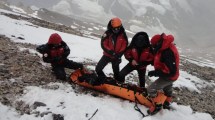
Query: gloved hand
[(42, 48), (134, 63), (116, 55), (153, 73), (111, 52), (119, 60), (45, 55), (56, 59)]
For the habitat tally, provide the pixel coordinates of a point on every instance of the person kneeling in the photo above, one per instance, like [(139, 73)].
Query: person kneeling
[(56, 52)]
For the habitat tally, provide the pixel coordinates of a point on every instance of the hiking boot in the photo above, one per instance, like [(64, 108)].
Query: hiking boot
[(95, 82), (155, 109), (157, 103), (119, 83), (110, 80), (144, 93), (166, 105), (167, 102), (58, 117)]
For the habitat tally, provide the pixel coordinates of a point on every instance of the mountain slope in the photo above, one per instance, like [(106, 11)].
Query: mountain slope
[(33, 81), (190, 21)]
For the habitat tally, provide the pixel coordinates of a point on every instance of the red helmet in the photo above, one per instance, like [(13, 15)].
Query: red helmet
[(55, 39), (116, 22)]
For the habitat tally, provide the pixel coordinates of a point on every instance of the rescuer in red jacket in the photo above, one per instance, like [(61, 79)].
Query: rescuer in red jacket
[(56, 52), (166, 65), (139, 54), (114, 43)]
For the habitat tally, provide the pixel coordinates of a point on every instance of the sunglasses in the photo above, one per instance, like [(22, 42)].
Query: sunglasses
[(116, 29)]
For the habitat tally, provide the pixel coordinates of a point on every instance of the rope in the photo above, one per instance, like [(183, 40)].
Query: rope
[(137, 108), (93, 114)]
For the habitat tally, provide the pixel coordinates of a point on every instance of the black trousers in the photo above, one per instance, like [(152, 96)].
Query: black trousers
[(129, 68), (103, 62), (59, 70)]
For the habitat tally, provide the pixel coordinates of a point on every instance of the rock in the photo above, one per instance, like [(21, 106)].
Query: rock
[(21, 38), (45, 113), (94, 94), (37, 113), (57, 117), (5, 101), (38, 104), (3, 70)]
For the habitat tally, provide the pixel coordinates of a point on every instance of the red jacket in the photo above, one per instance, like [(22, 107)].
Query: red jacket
[(143, 59), (111, 46), (167, 44), (56, 52), (54, 55)]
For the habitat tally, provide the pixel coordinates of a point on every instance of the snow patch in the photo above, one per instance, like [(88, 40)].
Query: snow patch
[(32, 51), (74, 27), (65, 101), (17, 9), (63, 7), (191, 82), (91, 29), (34, 7), (96, 28)]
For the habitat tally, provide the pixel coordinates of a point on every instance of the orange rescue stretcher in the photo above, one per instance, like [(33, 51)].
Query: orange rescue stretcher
[(125, 93)]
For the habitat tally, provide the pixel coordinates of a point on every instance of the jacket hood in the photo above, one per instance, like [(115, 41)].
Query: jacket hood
[(55, 39), (167, 40), (132, 44)]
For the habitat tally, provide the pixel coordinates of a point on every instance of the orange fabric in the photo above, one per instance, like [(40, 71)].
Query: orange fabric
[(152, 108), (116, 22), (113, 90), (160, 99), (169, 99)]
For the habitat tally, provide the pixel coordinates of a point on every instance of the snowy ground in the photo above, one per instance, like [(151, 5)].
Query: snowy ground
[(75, 106)]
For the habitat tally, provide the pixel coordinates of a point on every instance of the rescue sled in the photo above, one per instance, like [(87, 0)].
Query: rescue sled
[(134, 95)]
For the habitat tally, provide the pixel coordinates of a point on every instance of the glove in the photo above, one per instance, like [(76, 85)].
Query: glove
[(119, 60), (42, 48), (117, 56), (153, 73), (56, 59), (111, 52), (45, 55), (134, 63)]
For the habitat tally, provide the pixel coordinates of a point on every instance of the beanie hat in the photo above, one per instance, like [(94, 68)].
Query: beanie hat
[(55, 39)]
